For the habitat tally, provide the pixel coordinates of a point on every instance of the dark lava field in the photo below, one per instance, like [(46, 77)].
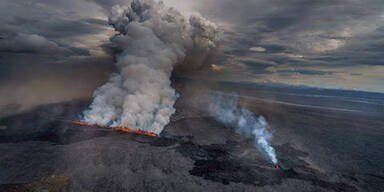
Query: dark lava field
[(325, 141)]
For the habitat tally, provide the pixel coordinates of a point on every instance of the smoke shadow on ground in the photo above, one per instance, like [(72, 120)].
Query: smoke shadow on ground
[(51, 123)]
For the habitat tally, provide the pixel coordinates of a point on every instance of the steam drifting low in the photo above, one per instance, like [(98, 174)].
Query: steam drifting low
[(226, 110), (152, 40)]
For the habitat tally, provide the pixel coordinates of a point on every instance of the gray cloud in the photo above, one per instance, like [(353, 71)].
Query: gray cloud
[(307, 72), (55, 27), (55, 47), (316, 38), (25, 43), (107, 4), (60, 26), (328, 42), (317, 29), (36, 44)]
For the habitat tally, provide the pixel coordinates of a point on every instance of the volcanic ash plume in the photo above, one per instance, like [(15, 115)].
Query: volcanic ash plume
[(226, 110), (152, 40)]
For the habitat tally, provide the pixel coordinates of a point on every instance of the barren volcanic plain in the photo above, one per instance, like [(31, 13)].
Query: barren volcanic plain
[(325, 140)]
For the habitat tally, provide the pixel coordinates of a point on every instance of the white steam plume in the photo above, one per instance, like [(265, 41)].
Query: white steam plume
[(226, 110), (152, 39)]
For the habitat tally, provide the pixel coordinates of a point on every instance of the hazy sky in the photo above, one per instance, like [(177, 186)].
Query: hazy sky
[(326, 43)]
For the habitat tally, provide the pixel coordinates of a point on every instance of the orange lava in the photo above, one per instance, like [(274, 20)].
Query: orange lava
[(120, 129), (140, 132)]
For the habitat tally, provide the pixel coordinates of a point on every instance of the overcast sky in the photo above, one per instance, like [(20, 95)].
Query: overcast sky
[(324, 43)]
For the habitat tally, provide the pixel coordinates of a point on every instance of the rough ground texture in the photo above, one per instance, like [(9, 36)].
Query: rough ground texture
[(194, 152)]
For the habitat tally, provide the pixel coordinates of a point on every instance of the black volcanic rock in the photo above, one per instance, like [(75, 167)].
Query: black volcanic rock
[(194, 152)]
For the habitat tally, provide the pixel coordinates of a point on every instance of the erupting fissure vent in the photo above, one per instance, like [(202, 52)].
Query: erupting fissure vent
[(120, 129)]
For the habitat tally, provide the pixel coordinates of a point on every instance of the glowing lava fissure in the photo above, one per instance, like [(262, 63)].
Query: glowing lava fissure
[(120, 129)]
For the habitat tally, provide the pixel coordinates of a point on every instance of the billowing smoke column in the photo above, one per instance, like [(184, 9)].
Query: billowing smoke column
[(226, 110), (152, 39)]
